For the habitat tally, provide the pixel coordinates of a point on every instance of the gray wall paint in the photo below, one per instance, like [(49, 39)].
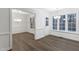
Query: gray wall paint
[(4, 29)]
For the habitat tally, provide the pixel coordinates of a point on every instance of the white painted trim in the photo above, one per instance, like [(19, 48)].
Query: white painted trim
[(10, 26), (6, 33)]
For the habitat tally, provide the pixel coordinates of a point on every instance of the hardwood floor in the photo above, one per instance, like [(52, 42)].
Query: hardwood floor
[(26, 42)]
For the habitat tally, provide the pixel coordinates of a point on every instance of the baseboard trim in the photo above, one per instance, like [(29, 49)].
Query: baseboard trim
[(22, 32)]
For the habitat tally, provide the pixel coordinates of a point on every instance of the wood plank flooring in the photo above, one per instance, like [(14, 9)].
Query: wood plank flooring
[(26, 42)]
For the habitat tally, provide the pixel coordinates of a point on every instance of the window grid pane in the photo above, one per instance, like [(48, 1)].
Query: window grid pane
[(54, 24), (72, 22), (62, 22)]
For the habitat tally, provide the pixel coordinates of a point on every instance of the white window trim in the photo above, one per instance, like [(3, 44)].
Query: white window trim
[(66, 25)]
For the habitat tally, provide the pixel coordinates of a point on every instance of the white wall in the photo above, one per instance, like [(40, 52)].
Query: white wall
[(41, 29), (24, 26), (66, 34), (40, 14)]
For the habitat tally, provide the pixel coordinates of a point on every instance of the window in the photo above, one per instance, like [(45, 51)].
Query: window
[(47, 21), (32, 22), (54, 23), (62, 22), (71, 22)]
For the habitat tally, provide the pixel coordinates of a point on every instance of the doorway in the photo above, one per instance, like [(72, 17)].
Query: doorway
[(23, 28)]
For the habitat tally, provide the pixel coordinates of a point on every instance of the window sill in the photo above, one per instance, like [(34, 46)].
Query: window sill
[(69, 32)]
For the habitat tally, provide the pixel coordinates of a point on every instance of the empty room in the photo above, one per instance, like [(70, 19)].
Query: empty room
[(39, 29)]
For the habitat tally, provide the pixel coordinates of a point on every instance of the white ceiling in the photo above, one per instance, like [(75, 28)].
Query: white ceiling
[(52, 9), (19, 11), (47, 9)]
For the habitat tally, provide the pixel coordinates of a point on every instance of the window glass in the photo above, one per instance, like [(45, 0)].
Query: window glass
[(71, 22), (54, 24), (62, 22), (47, 21)]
